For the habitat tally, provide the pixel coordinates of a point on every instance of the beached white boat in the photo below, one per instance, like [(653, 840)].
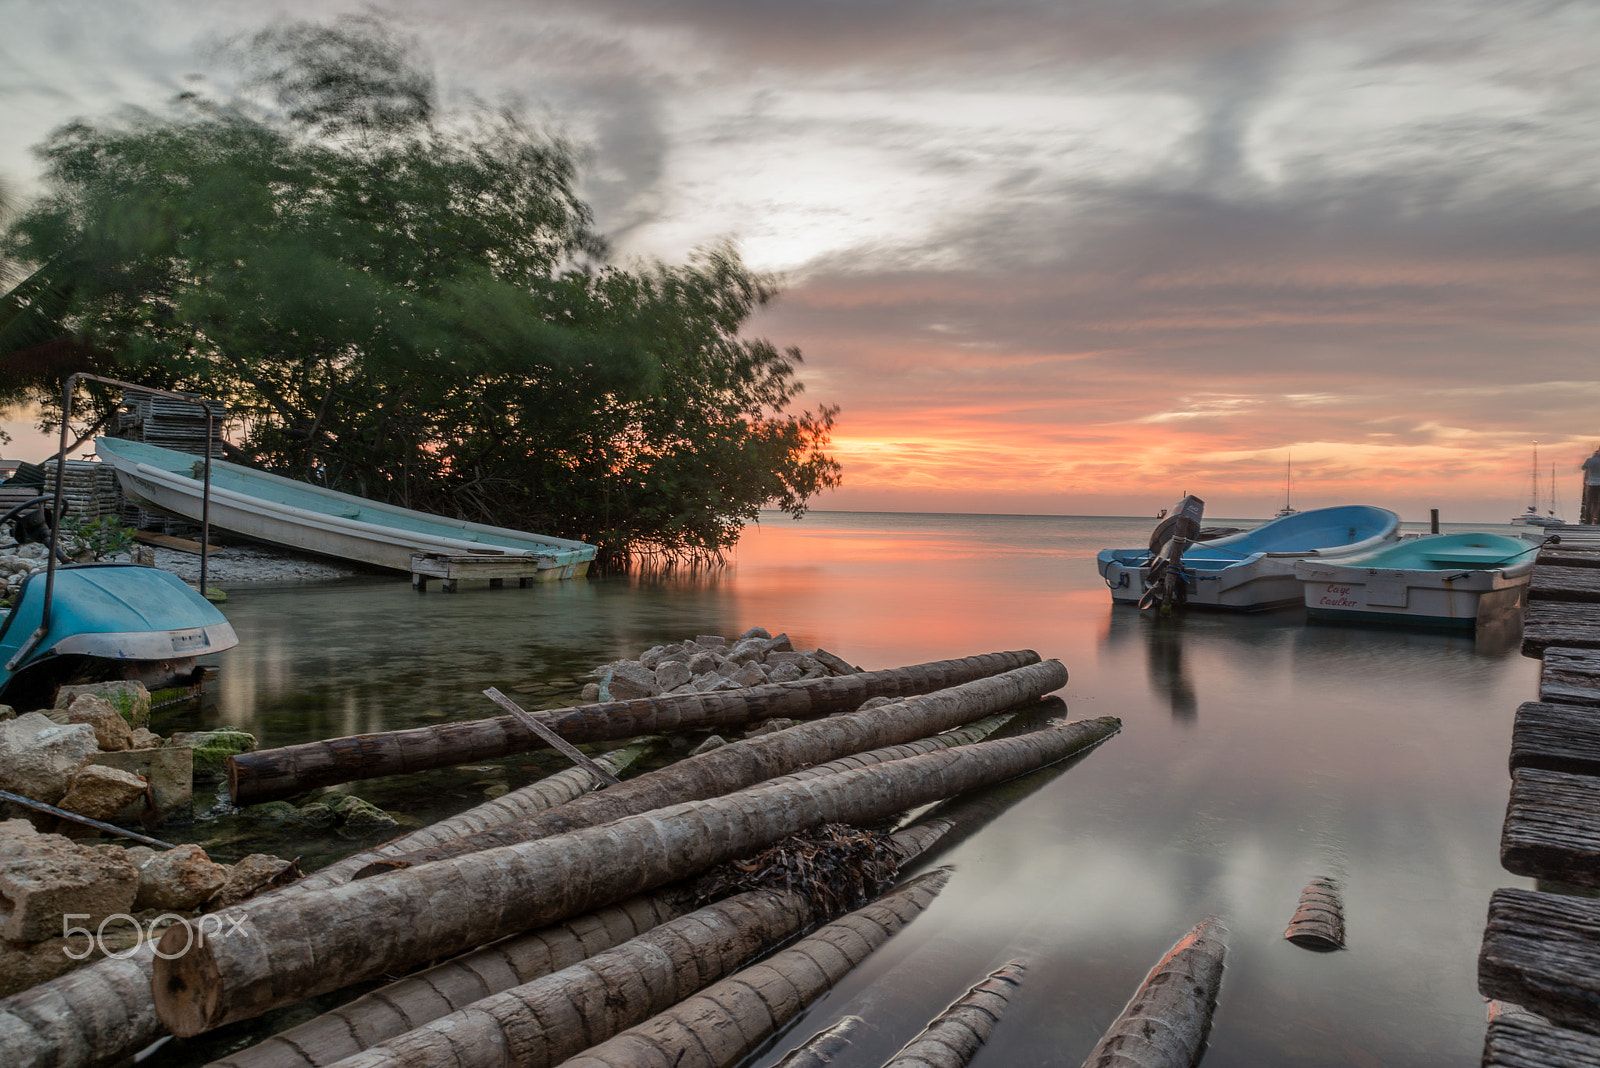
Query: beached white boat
[(302, 516), (1254, 570), (1437, 580)]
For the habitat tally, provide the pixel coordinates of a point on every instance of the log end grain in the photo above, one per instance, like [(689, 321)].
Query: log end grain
[(186, 984)]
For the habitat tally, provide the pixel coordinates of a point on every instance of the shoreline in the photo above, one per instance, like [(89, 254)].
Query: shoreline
[(251, 564)]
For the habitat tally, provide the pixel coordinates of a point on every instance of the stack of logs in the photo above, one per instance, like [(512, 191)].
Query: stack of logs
[(572, 921)]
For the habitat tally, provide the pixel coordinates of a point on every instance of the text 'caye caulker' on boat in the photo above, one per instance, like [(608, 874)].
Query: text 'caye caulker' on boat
[(1248, 571), (314, 519)]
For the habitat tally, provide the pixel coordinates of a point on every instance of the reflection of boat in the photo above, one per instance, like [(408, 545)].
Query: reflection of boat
[(1438, 580), (1533, 517), (313, 519), (1255, 569), (106, 621)]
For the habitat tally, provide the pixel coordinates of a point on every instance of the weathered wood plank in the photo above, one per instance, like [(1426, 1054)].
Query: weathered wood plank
[(1542, 951), (1563, 623), (1520, 1040), (1552, 828), (1556, 737), (1570, 677), (1565, 584)]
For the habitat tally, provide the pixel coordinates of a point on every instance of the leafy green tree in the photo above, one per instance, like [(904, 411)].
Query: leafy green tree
[(411, 306)]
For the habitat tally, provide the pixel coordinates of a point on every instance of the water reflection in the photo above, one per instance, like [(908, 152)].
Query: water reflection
[(1249, 743)]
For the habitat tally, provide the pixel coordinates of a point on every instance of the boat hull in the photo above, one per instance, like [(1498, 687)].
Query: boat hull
[(1254, 570), (1453, 582), (310, 519)]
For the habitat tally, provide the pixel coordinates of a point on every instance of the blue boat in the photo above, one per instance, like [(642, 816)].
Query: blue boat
[(106, 621), (1438, 580), (1254, 570)]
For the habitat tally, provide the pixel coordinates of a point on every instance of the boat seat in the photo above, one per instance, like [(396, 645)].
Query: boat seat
[(1454, 557)]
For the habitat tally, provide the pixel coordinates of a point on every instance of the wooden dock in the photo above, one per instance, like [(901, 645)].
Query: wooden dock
[(1541, 948), (496, 568)]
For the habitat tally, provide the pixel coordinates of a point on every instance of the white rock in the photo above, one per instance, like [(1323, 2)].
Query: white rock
[(38, 758)]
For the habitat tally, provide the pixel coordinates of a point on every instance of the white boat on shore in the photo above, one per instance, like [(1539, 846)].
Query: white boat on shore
[(1436, 580), (1254, 570), (299, 515)]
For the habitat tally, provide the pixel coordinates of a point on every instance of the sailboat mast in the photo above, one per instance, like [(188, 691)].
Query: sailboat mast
[(1288, 472), (1534, 491)]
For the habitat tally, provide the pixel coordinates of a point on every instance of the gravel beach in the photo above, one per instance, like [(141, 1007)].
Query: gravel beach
[(240, 564)]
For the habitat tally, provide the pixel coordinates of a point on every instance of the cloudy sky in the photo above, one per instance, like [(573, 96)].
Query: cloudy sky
[(1058, 256)]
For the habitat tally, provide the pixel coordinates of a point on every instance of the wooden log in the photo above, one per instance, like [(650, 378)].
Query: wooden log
[(745, 763), (1556, 738), (273, 773), (1559, 623), (292, 948), (1167, 1022), (1570, 677), (1552, 827), (1522, 1040), (104, 1012), (955, 1035), (608, 992), (452, 987), (1542, 951), (822, 1048), (1565, 584), (724, 1023), (1319, 921)]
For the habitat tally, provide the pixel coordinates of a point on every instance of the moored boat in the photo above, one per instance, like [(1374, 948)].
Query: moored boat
[(1436, 580), (1254, 570), (299, 515)]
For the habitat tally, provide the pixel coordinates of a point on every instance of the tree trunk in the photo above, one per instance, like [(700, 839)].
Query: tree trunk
[(820, 1049), (1167, 1022), (291, 948), (960, 1031), (418, 1000), (745, 763), (273, 773), (104, 1012), (542, 1023), (549, 792), (724, 1023)]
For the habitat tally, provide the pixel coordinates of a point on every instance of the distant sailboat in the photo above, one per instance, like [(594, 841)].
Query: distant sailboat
[(1533, 517), (1288, 474)]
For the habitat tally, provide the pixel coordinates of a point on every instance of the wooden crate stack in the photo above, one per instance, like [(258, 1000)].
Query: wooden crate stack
[(169, 424)]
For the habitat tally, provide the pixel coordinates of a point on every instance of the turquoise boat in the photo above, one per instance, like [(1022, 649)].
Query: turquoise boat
[(1254, 570), (106, 621), (1435, 580), (313, 519)]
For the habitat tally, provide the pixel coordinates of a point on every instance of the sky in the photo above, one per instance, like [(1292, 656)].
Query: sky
[(1054, 257)]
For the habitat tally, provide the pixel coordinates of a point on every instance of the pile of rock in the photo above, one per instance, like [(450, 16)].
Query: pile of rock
[(93, 755), (17, 565), (106, 896), (710, 662)]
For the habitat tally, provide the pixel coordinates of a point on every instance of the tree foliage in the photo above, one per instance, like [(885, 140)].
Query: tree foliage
[(416, 307)]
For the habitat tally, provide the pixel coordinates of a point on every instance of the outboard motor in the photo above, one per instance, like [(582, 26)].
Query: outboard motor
[(1165, 583)]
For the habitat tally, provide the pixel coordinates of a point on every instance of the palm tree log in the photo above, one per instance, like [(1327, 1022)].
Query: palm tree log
[(104, 1012), (275, 773), (290, 948), (1167, 1022), (724, 1023), (745, 763), (952, 1038)]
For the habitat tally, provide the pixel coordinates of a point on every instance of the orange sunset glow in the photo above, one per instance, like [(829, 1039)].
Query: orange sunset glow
[(1067, 260)]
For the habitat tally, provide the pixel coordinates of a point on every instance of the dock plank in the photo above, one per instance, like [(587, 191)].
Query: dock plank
[(1570, 556), (1570, 677), (1555, 737), (1552, 828), (1570, 624), (1565, 584), (1542, 951), (1519, 1040)]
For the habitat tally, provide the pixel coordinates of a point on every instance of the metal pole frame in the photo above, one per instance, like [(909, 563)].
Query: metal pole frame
[(61, 470)]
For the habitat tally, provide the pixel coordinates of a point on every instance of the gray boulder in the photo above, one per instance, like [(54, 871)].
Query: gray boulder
[(750, 674), (787, 671), (672, 674), (708, 641), (180, 878), (754, 632), (628, 679), (100, 792), (45, 876), (703, 663), (38, 758)]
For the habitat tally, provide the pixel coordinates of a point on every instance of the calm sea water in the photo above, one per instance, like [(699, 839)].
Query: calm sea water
[(1256, 753)]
